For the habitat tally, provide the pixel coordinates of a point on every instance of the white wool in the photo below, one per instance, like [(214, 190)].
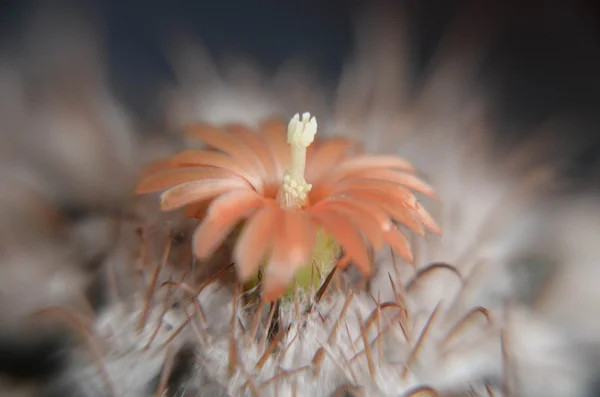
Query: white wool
[(129, 365), (563, 237), (544, 358), (472, 357)]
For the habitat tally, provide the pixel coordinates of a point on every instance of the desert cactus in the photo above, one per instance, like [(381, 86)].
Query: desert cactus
[(438, 319)]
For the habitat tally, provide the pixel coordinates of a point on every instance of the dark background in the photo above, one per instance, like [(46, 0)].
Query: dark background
[(545, 62)]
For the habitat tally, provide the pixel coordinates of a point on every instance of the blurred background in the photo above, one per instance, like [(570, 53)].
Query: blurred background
[(545, 59)]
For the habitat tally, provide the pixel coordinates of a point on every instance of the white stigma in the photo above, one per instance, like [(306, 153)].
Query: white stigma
[(301, 133)]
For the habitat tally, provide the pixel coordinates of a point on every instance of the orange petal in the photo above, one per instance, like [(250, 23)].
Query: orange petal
[(222, 216), (396, 209), (325, 157), (175, 176), (193, 192), (259, 145), (365, 223), (400, 244), (216, 159), (367, 206), (343, 262), (384, 188), (255, 240), (363, 163), (409, 180), (292, 249), (196, 210), (226, 142), (276, 279), (406, 216), (428, 220), (275, 132), (299, 238), (371, 220), (277, 275), (155, 167), (346, 234)]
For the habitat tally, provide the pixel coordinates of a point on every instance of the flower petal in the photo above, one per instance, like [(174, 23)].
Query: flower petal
[(220, 160), (409, 180), (399, 244), (193, 192), (275, 132), (259, 145), (196, 210), (292, 249), (405, 215), (389, 189), (395, 209), (365, 205), (155, 168), (346, 234), (325, 156), (276, 279), (299, 236), (255, 240), (370, 219), (222, 216), (428, 220), (175, 176), (226, 142), (365, 162)]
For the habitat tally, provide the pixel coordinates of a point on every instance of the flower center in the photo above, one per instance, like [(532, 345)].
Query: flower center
[(301, 133), (293, 195)]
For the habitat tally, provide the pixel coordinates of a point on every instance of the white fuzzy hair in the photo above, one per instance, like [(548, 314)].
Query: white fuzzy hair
[(508, 346), (563, 241)]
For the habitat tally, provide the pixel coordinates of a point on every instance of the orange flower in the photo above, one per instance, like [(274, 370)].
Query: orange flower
[(248, 175)]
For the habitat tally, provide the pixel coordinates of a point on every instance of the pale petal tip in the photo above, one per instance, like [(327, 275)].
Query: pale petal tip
[(273, 292)]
